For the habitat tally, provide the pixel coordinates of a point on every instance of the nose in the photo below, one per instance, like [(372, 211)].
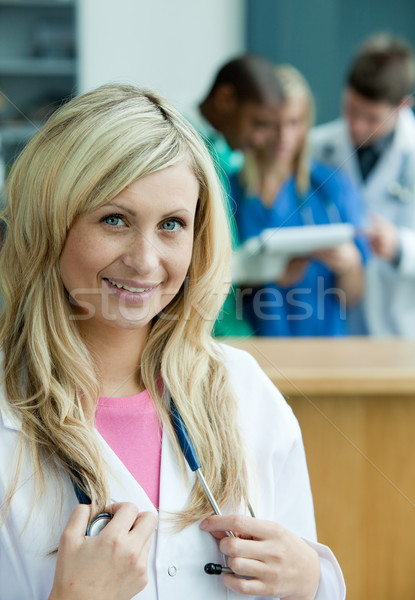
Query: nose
[(142, 254), (260, 138), (359, 130), (284, 134)]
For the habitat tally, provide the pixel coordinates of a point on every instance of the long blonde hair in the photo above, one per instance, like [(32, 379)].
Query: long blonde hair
[(294, 86), (87, 153)]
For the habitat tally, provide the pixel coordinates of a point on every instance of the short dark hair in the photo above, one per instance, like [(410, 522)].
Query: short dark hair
[(253, 78), (383, 69)]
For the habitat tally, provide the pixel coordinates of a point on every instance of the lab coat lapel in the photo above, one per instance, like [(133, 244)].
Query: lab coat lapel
[(190, 549), (385, 172), (123, 486), (175, 486), (346, 156), (388, 169)]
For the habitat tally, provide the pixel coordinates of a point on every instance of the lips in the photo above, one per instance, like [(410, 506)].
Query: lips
[(130, 288)]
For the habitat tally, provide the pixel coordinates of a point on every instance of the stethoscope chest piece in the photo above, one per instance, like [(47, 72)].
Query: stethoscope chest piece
[(98, 524), (399, 192)]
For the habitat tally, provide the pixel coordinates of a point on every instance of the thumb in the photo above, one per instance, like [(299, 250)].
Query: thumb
[(78, 521)]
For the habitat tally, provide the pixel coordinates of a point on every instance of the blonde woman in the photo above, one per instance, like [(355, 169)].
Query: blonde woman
[(280, 187), (112, 276)]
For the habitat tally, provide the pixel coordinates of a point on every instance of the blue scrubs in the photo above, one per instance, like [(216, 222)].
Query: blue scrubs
[(312, 306)]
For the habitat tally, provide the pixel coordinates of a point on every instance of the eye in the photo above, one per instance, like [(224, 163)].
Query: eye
[(113, 220), (172, 225)]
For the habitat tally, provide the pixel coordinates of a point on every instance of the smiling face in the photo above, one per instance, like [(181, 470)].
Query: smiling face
[(125, 261)]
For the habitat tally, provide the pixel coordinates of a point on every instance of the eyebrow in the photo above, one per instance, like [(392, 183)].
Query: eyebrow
[(134, 214)]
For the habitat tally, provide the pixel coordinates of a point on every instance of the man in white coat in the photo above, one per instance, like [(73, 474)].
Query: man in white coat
[(374, 142)]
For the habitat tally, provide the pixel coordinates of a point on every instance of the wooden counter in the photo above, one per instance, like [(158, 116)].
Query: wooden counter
[(355, 401)]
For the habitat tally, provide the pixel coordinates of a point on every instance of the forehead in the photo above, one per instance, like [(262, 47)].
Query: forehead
[(354, 101), (294, 106)]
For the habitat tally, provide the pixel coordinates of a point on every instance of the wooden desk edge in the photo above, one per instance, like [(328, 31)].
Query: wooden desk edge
[(387, 368)]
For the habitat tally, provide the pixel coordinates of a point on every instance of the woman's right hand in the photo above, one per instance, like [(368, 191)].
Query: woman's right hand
[(109, 566)]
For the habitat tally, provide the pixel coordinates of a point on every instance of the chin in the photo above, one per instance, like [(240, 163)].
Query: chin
[(363, 141)]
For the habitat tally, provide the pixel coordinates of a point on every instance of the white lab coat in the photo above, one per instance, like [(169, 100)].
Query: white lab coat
[(280, 491), (389, 190)]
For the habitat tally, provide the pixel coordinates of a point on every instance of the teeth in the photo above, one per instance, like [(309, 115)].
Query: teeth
[(128, 287)]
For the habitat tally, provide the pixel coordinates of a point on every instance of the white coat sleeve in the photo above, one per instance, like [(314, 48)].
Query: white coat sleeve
[(406, 265)]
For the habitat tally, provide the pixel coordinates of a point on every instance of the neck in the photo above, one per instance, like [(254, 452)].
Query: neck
[(117, 354), (272, 177)]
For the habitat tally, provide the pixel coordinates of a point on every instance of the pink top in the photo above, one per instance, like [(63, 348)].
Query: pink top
[(130, 426)]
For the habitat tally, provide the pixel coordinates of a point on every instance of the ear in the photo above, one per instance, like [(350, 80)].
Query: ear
[(225, 99)]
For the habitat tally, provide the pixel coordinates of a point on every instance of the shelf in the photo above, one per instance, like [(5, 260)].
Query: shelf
[(38, 67), (32, 67)]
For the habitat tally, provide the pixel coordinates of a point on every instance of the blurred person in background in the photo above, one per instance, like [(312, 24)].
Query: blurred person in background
[(280, 187), (238, 114), (374, 143)]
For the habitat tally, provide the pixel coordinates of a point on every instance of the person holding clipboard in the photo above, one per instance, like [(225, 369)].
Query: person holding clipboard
[(280, 187)]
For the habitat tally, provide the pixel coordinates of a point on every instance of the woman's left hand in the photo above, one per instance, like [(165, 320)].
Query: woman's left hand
[(277, 562)]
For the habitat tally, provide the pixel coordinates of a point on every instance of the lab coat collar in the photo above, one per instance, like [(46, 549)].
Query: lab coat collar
[(344, 150), (175, 485), (11, 419), (123, 486), (404, 130)]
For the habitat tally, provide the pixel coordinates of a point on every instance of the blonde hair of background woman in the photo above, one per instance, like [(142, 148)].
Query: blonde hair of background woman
[(87, 153), (294, 86)]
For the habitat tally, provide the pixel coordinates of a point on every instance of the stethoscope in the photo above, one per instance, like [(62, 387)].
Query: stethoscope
[(99, 522), (401, 189)]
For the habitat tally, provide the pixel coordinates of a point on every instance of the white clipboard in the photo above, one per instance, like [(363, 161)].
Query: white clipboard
[(263, 259)]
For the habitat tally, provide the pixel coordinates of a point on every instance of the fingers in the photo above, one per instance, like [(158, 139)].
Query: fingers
[(112, 564), (242, 525), (248, 587), (248, 532), (123, 514), (267, 559), (294, 271), (126, 517), (378, 219), (144, 525), (78, 522)]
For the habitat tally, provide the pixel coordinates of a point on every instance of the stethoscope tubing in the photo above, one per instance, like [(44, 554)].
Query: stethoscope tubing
[(189, 452)]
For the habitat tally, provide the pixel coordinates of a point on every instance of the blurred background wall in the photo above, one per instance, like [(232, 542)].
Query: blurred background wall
[(52, 49), (177, 45), (320, 36), (173, 45)]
